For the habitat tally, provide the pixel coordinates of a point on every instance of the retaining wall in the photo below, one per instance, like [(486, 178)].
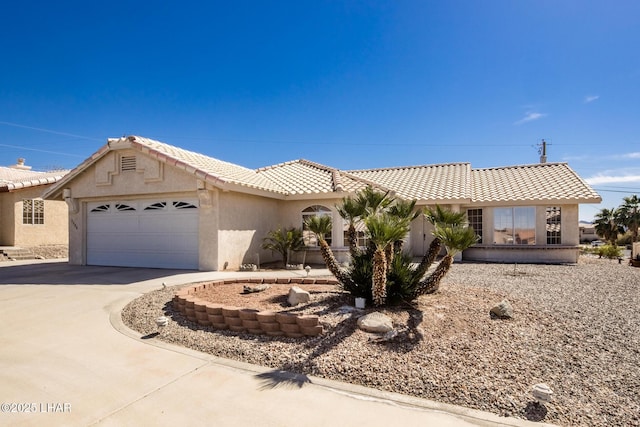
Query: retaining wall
[(239, 319)]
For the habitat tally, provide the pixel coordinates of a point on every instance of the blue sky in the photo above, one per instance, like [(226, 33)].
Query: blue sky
[(350, 84)]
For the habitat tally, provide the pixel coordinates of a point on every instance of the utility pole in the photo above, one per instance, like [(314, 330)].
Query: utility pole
[(542, 150)]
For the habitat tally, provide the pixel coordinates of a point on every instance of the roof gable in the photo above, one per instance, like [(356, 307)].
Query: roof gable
[(211, 170)]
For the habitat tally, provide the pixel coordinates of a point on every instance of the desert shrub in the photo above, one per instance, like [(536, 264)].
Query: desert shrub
[(609, 251)]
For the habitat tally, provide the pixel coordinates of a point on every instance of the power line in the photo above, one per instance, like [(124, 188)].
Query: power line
[(17, 125), (40, 151)]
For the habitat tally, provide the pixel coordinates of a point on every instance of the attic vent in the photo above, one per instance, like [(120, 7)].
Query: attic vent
[(128, 163)]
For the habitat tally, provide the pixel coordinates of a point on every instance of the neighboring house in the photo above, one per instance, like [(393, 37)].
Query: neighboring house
[(587, 232), (26, 220), (139, 202)]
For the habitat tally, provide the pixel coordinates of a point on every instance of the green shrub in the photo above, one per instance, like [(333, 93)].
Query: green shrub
[(609, 251)]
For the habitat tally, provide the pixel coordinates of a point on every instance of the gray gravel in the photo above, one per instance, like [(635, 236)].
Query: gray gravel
[(575, 328)]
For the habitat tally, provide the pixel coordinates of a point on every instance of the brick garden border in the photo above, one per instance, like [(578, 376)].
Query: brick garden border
[(245, 320)]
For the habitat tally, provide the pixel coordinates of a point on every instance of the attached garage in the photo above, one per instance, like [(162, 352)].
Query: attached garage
[(143, 233)]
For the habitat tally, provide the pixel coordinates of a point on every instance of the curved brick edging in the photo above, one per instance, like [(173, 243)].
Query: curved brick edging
[(239, 319)]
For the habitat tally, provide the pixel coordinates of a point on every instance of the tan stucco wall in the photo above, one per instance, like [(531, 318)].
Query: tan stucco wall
[(244, 220), (102, 181), (7, 235), (54, 231), (566, 252)]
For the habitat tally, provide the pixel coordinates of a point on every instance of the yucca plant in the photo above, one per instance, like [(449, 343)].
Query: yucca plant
[(381, 274)]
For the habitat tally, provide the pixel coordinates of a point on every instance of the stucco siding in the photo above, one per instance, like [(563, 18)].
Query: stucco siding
[(7, 224), (244, 221), (54, 231), (105, 180)]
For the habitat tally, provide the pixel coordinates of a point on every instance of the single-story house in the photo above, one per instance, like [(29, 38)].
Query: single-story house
[(144, 203), (587, 232), (26, 219)]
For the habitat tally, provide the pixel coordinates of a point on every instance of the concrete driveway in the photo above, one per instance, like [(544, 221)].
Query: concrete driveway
[(67, 360)]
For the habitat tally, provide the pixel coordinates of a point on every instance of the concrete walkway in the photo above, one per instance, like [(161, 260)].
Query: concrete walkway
[(67, 360)]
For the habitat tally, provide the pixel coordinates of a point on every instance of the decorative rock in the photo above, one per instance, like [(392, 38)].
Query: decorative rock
[(375, 322), (247, 289), (542, 393), (503, 310), (298, 296)]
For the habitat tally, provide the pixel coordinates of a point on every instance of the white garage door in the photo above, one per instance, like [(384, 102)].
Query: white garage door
[(155, 234)]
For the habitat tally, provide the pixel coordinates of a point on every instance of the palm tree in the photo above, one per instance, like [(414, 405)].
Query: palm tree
[(438, 215), (320, 225), (607, 225), (629, 215), (455, 238), (351, 211), (384, 229), (372, 201), (283, 241)]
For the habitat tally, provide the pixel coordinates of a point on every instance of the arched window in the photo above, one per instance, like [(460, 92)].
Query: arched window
[(308, 237)]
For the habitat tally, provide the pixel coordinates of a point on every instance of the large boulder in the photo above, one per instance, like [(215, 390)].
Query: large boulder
[(375, 322), (298, 296)]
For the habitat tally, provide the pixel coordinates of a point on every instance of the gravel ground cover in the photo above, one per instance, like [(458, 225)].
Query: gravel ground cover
[(575, 328)]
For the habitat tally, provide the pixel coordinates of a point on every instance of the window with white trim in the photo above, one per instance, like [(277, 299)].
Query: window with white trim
[(514, 226), (474, 217), (308, 237), (33, 211), (553, 215), (361, 235)]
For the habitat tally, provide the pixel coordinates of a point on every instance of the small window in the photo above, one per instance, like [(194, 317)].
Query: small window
[(156, 206), (101, 208), (361, 235), (33, 211), (128, 163), (553, 215), (308, 237), (475, 221), (184, 205), (121, 207)]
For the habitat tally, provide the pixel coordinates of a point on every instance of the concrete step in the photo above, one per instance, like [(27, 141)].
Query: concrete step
[(16, 254)]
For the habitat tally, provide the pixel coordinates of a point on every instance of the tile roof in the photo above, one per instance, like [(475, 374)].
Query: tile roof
[(14, 179), (440, 183), (203, 167), (446, 182), (538, 182), (305, 177)]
